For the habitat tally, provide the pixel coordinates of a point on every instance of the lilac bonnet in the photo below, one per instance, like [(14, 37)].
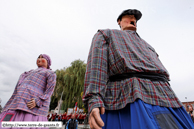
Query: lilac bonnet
[(48, 60)]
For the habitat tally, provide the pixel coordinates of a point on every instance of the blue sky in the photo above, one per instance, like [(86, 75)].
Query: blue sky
[(64, 30)]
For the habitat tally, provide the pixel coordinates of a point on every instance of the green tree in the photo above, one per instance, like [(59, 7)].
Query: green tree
[(70, 81), (53, 103)]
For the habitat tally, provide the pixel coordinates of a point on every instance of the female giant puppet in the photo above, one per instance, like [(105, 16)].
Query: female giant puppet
[(126, 82), (31, 98)]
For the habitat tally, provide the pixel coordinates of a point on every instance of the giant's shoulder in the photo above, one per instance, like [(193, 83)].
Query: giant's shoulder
[(110, 32), (50, 71)]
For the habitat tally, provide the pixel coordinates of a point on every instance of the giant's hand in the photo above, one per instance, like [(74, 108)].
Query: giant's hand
[(95, 120), (31, 104)]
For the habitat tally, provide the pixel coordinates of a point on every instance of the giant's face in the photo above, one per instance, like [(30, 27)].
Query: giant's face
[(41, 62), (128, 22)]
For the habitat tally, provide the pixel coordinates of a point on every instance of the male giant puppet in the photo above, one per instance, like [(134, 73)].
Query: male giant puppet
[(125, 76)]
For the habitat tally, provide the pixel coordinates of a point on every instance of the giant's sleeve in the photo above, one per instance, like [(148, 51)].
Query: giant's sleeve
[(51, 81), (12, 97), (96, 73)]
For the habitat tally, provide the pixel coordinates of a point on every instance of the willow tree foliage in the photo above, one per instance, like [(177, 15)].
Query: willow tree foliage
[(70, 82)]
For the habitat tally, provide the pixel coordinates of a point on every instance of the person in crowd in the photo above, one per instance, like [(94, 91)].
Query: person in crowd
[(126, 85), (64, 118), (76, 115), (31, 97), (72, 123), (69, 116), (56, 117), (61, 117), (191, 113), (48, 117), (83, 117), (53, 117), (79, 117)]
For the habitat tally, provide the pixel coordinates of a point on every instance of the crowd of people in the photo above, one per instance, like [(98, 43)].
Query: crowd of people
[(65, 117)]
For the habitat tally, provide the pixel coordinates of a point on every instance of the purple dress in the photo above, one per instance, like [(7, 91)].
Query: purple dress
[(36, 84)]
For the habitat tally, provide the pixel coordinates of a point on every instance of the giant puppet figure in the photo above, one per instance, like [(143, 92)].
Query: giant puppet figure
[(31, 98), (126, 85)]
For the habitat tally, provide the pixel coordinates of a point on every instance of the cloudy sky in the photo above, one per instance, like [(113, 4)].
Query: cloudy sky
[(64, 29)]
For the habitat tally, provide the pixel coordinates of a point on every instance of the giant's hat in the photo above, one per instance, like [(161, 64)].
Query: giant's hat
[(48, 59), (134, 12)]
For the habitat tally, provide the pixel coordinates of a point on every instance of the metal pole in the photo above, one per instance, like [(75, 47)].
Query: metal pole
[(186, 103)]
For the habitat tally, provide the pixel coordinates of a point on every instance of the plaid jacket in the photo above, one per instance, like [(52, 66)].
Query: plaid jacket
[(116, 52), (36, 84)]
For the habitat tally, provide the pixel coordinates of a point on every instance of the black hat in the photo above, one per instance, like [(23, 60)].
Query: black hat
[(134, 12)]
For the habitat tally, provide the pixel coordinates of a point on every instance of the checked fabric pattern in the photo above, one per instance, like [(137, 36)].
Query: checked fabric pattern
[(115, 52), (36, 84)]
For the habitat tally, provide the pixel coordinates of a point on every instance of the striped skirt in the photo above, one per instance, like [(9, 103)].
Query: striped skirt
[(139, 115)]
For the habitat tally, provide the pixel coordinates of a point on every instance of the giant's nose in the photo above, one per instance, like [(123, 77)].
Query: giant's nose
[(133, 22)]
